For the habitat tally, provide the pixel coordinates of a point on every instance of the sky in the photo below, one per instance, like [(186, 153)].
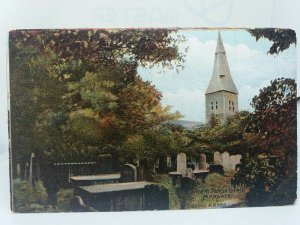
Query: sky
[(250, 65)]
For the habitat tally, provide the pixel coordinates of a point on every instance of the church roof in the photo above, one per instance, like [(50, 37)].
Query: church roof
[(221, 79)]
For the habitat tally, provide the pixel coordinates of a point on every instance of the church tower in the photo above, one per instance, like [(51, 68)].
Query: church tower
[(221, 96)]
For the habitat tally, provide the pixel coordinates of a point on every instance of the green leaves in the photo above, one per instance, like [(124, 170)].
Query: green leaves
[(77, 91), (274, 115), (281, 38), (147, 46)]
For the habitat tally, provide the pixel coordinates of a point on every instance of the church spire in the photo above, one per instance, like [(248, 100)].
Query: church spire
[(221, 79), (220, 47)]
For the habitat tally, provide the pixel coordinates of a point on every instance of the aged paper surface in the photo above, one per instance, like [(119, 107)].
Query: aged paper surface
[(152, 119), (17, 15)]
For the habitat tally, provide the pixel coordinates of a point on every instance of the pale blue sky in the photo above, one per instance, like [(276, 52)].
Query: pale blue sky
[(251, 68)]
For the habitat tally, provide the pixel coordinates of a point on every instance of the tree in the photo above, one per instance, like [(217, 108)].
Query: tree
[(273, 165), (79, 89), (281, 38), (37, 109), (275, 118), (146, 46), (229, 136)]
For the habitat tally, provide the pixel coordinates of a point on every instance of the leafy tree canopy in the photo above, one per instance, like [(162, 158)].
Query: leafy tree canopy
[(275, 112), (281, 38), (146, 46)]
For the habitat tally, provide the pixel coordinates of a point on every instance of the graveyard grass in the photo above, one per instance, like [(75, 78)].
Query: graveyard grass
[(216, 192)]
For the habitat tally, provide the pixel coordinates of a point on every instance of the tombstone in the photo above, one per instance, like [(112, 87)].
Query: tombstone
[(232, 162), (18, 170), (216, 169), (238, 158), (169, 161), (189, 173), (181, 163), (26, 171), (156, 164), (187, 183), (225, 160), (202, 162), (77, 205), (140, 173), (162, 165), (128, 173), (217, 158), (137, 162), (31, 168)]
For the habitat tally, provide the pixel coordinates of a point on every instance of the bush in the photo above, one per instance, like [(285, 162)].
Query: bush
[(263, 175), (29, 198), (40, 193), (174, 201), (63, 197)]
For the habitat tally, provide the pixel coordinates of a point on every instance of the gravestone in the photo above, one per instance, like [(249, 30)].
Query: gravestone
[(128, 173), (156, 164), (181, 163), (130, 196), (18, 170), (77, 205), (238, 158), (26, 171), (217, 158), (189, 173), (140, 173), (216, 169), (187, 183), (232, 162), (202, 162), (31, 168), (169, 161), (225, 160)]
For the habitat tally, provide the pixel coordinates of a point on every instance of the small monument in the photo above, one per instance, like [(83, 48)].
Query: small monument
[(202, 162), (181, 163), (217, 158), (128, 173), (225, 160)]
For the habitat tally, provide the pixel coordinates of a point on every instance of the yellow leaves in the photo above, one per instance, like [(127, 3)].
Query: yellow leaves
[(262, 156), (85, 44), (134, 139), (67, 76), (89, 113), (135, 143)]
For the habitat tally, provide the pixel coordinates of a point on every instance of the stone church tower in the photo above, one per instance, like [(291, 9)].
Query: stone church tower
[(221, 96)]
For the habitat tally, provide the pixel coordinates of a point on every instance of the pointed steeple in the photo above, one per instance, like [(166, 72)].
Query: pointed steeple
[(220, 47), (221, 79)]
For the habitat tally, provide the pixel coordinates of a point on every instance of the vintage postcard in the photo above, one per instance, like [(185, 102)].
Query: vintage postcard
[(152, 119)]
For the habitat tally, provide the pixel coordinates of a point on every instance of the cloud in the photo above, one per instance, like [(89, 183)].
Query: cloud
[(251, 70), (189, 102)]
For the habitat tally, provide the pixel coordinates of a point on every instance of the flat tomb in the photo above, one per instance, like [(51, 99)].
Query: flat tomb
[(95, 179), (129, 196)]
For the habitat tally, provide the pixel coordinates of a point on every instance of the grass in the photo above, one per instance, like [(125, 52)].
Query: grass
[(215, 192)]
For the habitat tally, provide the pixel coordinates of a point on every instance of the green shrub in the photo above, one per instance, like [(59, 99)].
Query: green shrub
[(40, 193), (63, 197), (263, 175), (174, 201), (29, 198)]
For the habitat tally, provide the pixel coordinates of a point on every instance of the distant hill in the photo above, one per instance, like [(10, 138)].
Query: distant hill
[(186, 124)]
